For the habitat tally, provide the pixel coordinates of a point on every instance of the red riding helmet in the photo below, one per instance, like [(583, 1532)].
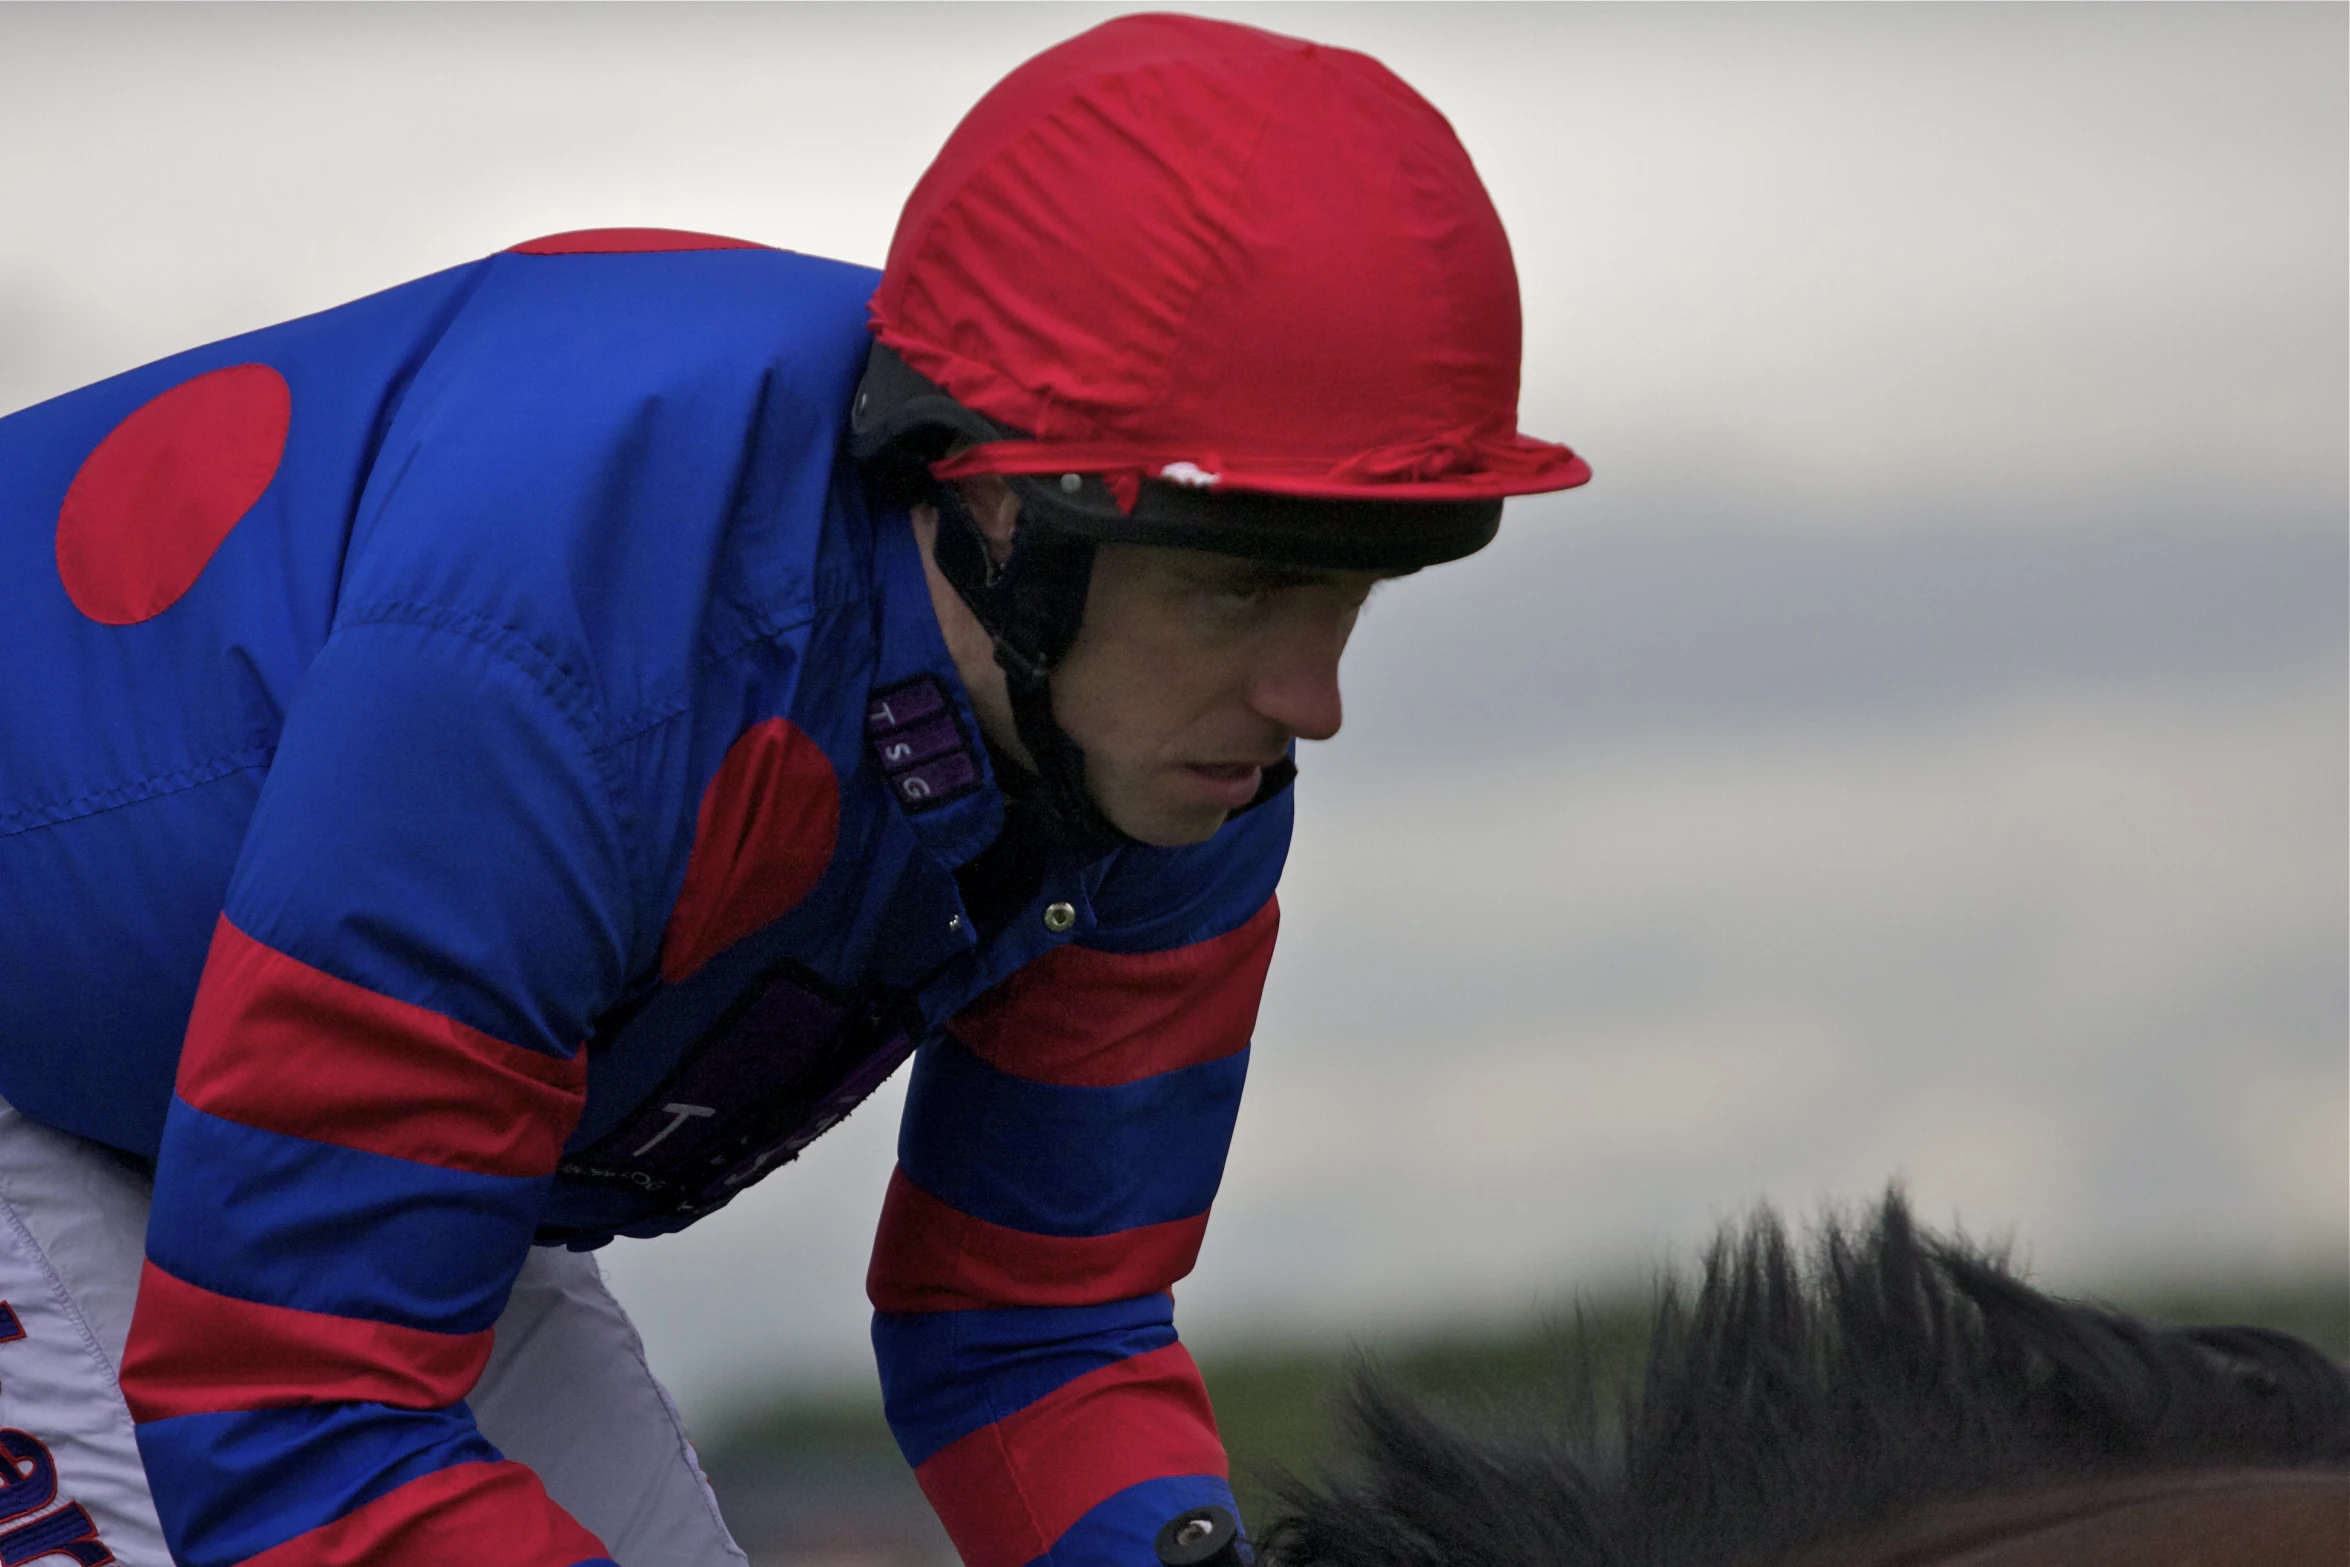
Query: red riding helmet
[(1190, 283)]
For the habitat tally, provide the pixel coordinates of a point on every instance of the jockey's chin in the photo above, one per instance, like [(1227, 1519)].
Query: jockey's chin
[(1186, 803)]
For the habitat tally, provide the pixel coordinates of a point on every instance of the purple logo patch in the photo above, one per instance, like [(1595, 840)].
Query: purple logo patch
[(768, 1081), (920, 744)]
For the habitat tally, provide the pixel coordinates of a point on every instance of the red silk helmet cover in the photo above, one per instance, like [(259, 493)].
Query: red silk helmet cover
[(1269, 264)]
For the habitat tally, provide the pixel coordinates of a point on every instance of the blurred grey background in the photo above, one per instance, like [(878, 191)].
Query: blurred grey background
[(1920, 753)]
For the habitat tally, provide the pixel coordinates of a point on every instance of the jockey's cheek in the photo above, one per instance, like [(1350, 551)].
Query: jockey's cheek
[(1183, 686)]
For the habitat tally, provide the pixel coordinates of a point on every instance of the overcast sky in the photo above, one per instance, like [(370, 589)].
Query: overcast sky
[(1920, 751)]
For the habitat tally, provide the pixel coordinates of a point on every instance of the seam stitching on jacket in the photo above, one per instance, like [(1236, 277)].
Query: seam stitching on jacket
[(96, 802)]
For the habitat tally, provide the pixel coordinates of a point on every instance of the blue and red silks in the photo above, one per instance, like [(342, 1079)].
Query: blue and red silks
[(477, 768)]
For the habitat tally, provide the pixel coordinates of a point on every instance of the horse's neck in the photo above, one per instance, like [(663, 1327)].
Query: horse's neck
[(2207, 1517)]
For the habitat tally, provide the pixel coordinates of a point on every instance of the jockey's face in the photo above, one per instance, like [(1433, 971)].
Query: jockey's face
[(1191, 673)]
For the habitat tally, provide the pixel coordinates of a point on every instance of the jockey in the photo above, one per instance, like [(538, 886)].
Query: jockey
[(506, 763)]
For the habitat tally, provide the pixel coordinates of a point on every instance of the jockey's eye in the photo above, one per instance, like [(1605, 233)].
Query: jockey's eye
[(1253, 582), (1236, 596)]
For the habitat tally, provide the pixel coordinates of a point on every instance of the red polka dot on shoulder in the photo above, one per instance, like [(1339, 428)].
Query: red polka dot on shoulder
[(606, 242), (154, 500), (763, 836)]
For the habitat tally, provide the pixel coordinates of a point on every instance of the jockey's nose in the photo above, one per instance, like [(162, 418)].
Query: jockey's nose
[(1295, 684)]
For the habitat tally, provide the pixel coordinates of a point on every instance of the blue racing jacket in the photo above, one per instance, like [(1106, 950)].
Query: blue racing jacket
[(478, 768)]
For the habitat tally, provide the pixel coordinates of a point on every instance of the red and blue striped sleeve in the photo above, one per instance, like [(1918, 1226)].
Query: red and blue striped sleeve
[(376, 1084), (1061, 1147)]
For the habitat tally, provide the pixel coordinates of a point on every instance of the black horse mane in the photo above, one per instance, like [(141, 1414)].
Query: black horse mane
[(1801, 1397)]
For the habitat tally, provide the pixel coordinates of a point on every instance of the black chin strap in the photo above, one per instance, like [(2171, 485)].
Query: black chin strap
[(1031, 606)]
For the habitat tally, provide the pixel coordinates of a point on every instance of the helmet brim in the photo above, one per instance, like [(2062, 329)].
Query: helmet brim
[(1348, 534), (898, 407)]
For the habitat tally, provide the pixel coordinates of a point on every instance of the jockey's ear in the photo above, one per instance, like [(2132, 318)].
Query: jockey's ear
[(995, 508)]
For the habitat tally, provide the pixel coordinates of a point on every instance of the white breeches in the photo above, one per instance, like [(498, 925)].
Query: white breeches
[(566, 1390)]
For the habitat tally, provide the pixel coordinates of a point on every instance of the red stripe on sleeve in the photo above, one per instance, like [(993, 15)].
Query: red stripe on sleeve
[(1008, 1491), (193, 1352), (470, 1512), (930, 1256), (1097, 1019), (278, 1045)]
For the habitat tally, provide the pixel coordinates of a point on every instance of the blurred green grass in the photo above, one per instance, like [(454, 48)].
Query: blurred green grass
[(1275, 1402)]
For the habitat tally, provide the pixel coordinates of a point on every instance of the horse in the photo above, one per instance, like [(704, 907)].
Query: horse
[(1885, 1397)]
